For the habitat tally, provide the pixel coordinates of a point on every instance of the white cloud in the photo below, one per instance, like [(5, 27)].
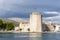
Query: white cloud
[(52, 18), (10, 5), (14, 1), (55, 19), (51, 12), (1, 1)]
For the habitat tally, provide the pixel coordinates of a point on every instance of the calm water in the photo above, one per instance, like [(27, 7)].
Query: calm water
[(29, 36)]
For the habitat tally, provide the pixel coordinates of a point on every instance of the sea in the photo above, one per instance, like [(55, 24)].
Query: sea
[(29, 36)]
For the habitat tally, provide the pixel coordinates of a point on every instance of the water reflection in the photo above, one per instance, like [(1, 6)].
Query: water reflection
[(49, 36), (29, 36), (35, 36)]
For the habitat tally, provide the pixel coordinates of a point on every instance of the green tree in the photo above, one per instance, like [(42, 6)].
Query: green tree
[(1, 24), (4, 26), (28, 29), (9, 26), (20, 29)]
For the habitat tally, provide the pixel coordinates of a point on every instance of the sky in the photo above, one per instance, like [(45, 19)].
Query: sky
[(50, 9)]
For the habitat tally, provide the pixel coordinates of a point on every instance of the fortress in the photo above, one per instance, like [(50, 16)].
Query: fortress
[(35, 24)]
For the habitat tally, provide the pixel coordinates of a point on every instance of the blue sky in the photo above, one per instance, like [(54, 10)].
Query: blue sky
[(50, 9)]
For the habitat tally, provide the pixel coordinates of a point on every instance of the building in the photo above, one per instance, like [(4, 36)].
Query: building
[(57, 28), (24, 27), (17, 28), (50, 26), (35, 22), (36, 25)]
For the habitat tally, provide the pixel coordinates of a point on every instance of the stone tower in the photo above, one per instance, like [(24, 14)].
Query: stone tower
[(35, 22)]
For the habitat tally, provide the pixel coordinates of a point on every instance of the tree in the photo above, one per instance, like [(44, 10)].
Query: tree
[(9, 26), (20, 29), (28, 29), (1, 24), (4, 26)]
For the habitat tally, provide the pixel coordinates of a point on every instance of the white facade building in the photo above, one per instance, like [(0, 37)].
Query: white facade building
[(35, 22), (24, 26), (17, 28), (57, 29)]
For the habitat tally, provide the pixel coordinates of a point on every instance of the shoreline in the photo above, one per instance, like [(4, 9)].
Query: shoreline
[(24, 32)]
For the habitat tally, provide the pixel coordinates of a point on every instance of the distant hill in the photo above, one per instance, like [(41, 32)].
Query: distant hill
[(5, 20), (15, 21), (18, 19)]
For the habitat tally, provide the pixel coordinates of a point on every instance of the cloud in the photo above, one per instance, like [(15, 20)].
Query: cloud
[(52, 18), (57, 16), (51, 12), (22, 8), (1, 1), (55, 19)]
